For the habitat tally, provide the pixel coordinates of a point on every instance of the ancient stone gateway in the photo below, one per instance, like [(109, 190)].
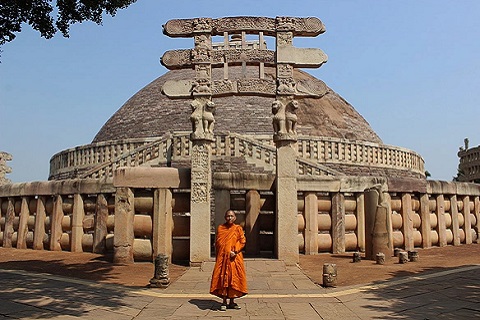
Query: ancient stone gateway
[(283, 88)]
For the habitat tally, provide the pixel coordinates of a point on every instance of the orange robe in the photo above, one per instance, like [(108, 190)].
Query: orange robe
[(229, 278)]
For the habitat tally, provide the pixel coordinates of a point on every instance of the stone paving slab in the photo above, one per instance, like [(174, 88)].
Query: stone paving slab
[(450, 294)]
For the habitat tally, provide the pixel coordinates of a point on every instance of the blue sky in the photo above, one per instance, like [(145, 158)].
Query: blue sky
[(410, 68)]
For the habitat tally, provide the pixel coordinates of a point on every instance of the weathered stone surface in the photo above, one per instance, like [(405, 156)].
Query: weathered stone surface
[(148, 177)]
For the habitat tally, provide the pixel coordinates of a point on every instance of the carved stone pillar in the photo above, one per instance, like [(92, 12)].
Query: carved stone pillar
[(162, 223), (338, 223), (426, 226), (200, 202), (56, 224), (311, 223), (467, 224), (455, 223), (8, 227), (361, 221), (101, 216)]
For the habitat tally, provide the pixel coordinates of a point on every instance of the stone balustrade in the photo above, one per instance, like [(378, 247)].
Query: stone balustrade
[(84, 215), (314, 154)]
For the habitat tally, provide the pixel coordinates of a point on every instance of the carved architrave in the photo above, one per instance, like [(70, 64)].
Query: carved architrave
[(307, 27), (203, 71), (285, 23), (224, 87), (237, 56), (311, 88), (248, 24), (177, 59), (286, 86), (259, 86)]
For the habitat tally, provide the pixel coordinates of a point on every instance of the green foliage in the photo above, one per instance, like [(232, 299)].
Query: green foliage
[(39, 15)]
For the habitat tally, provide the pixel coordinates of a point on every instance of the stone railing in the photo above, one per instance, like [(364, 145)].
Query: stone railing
[(359, 153), (100, 160), (469, 164)]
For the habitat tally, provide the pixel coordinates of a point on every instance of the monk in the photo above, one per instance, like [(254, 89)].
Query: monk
[(229, 279)]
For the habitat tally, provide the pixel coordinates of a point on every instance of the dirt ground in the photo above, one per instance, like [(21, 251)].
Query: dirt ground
[(100, 268)]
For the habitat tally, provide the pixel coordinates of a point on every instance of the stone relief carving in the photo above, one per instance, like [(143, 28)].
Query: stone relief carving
[(202, 118), (4, 168), (285, 23), (199, 192), (284, 70), (284, 38), (291, 117), (279, 119), (202, 86), (284, 119), (177, 59), (236, 24), (286, 86), (260, 86), (202, 25)]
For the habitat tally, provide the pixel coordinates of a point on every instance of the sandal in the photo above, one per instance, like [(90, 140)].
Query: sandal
[(223, 307), (234, 306)]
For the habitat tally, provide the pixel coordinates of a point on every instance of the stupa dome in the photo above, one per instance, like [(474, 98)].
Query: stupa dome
[(150, 113)]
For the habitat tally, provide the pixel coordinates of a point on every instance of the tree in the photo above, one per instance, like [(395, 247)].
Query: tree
[(39, 15)]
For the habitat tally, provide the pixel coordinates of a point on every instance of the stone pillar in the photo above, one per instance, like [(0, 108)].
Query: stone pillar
[(252, 225), (23, 225), (378, 226), (200, 202), (407, 221), (8, 228), (311, 223), (477, 215), (123, 227), (467, 225), (222, 204), (77, 223), (455, 224), (56, 224), (426, 226), (101, 216), (338, 223), (286, 197), (162, 223), (361, 221), (441, 228), (39, 232)]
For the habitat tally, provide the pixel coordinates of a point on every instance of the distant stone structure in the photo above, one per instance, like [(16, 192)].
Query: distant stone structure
[(469, 166), (4, 168)]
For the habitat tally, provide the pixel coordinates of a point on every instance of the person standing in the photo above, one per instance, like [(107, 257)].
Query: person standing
[(229, 279)]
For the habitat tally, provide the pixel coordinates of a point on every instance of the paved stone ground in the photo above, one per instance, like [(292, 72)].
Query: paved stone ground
[(62, 285), (280, 293)]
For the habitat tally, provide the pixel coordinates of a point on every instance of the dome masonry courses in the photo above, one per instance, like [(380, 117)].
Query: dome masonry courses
[(149, 113)]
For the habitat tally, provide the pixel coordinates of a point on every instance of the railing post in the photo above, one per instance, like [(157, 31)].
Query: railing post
[(407, 221), (56, 224), (123, 230), (425, 218), (39, 232), (338, 223), (311, 223), (23, 224), (455, 223), (467, 225), (77, 224), (8, 229), (162, 223), (441, 228), (101, 216), (252, 226), (361, 221)]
